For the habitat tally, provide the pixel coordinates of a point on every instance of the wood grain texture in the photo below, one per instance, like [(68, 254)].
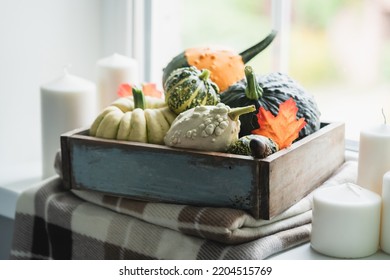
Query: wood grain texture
[(296, 171), (264, 188), (151, 172)]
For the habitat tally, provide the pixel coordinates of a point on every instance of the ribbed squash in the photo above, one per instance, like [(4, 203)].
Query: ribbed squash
[(226, 66), (136, 118), (269, 91), (189, 87)]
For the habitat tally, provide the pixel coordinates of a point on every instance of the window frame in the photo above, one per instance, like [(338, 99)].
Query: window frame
[(143, 17)]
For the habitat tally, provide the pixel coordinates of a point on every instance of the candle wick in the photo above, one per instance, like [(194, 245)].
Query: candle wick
[(66, 68), (353, 190), (384, 116)]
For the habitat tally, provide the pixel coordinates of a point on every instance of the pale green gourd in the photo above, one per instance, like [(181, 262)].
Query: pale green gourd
[(137, 118), (206, 128), (189, 87)]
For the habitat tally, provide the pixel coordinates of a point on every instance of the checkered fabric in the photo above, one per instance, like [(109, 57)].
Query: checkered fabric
[(54, 223)]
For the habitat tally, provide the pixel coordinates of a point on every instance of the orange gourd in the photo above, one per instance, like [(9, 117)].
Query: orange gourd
[(226, 66)]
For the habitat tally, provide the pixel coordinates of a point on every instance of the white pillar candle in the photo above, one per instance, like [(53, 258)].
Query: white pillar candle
[(67, 103), (346, 221), (385, 230), (374, 157), (113, 71)]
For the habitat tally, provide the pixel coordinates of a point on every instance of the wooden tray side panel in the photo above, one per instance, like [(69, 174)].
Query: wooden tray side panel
[(65, 157), (263, 195), (304, 168), (160, 174), (66, 170)]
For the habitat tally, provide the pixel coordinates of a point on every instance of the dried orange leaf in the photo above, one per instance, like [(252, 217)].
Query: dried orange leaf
[(283, 128), (124, 90), (149, 89)]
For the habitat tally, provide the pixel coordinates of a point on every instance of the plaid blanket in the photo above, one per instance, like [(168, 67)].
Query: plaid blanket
[(54, 223)]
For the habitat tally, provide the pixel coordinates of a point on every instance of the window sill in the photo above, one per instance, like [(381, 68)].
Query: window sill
[(305, 252)]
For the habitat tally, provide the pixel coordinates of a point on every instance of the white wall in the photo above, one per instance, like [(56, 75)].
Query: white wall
[(37, 39)]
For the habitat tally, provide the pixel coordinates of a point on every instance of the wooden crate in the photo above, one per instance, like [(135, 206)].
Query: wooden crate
[(263, 187)]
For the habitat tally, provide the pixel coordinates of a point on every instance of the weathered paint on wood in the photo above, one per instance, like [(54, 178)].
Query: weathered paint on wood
[(264, 187), (155, 174)]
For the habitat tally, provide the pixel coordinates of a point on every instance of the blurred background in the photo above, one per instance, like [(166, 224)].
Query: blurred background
[(339, 50)]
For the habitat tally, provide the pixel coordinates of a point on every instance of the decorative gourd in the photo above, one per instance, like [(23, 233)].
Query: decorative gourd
[(136, 118), (254, 145), (226, 66), (189, 87), (206, 128), (269, 92)]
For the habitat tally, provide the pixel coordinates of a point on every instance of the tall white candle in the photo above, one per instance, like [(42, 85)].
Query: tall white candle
[(385, 229), (346, 221), (113, 71), (67, 103), (374, 157)]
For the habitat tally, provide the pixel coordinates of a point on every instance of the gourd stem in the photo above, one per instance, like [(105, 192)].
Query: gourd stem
[(204, 75), (254, 50), (139, 98), (235, 113), (253, 91)]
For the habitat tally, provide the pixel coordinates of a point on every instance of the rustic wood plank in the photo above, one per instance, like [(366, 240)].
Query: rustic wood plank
[(262, 210), (65, 140), (298, 170), (155, 173)]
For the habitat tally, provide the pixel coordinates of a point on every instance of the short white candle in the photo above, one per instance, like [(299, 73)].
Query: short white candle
[(67, 103), (113, 71), (374, 157), (385, 232), (346, 221)]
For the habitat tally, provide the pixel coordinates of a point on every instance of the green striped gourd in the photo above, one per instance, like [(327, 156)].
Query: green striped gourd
[(189, 87)]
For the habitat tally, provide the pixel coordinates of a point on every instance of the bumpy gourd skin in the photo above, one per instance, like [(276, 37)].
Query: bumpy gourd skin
[(206, 128), (189, 87), (122, 121), (225, 64)]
